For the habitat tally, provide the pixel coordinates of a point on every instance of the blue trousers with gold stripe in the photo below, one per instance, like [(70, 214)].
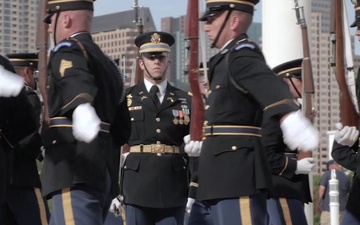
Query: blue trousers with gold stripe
[(24, 206), (247, 210), (283, 211), (79, 205)]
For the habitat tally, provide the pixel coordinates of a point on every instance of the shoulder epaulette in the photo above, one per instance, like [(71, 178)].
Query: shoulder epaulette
[(62, 44)]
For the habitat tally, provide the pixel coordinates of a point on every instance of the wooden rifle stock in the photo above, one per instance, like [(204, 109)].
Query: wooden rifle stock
[(307, 75), (197, 107), (348, 114), (42, 38)]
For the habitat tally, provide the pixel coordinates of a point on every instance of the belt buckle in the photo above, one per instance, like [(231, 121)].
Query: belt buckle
[(158, 148)]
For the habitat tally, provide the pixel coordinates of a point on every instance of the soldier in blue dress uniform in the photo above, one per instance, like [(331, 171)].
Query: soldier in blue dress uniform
[(234, 174), (89, 119), (346, 147), (24, 202), (15, 112), (154, 180), (290, 177)]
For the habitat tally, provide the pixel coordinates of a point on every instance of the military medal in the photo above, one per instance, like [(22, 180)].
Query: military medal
[(186, 117), (175, 114), (181, 115)]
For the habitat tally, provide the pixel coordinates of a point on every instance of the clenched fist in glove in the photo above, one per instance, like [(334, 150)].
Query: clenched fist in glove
[(115, 206), (10, 83), (189, 204), (192, 148), (298, 132), (346, 135), (304, 166), (86, 123)]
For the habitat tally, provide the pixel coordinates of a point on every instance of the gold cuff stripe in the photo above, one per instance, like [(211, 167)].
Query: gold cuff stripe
[(288, 70), (23, 60), (245, 211), (193, 184), (67, 206), (286, 211), (41, 205), (82, 95), (282, 102), (231, 1), (285, 166)]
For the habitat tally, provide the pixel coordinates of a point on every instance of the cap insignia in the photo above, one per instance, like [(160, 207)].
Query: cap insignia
[(155, 38)]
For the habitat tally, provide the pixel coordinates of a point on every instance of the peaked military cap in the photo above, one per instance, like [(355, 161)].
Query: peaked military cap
[(154, 43), (356, 4), (23, 59), (55, 6), (215, 6), (289, 69)]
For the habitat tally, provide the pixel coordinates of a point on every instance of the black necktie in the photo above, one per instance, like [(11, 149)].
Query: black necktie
[(153, 93)]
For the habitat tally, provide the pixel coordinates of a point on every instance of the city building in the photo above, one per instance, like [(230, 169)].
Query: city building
[(115, 34), (18, 22)]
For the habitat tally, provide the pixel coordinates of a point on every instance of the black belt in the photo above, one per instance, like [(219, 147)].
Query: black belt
[(230, 130), (65, 122), (291, 155)]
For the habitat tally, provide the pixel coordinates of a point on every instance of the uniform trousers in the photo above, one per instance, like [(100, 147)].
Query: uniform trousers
[(199, 215), (81, 205), (111, 219), (136, 215), (245, 210), (349, 219), (285, 211), (22, 206)]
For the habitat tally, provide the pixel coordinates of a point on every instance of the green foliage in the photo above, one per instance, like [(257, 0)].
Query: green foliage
[(316, 183)]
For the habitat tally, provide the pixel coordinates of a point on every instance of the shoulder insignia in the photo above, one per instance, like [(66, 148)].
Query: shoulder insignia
[(62, 44), (65, 64), (190, 94), (245, 45)]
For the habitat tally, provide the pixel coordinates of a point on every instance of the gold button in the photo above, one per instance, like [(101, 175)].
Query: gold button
[(158, 131), (125, 167), (233, 148), (206, 122), (132, 119), (217, 86), (158, 154), (209, 92), (158, 119), (207, 107), (54, 141)]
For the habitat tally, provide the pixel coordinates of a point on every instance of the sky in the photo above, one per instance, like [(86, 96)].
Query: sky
[(158, 8), (176, 8)]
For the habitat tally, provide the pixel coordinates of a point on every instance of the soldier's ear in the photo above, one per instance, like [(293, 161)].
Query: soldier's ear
[(141, 63)]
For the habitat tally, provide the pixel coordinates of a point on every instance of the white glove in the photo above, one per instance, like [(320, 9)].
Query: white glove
[(189, 204), (298, 132), (10, 83), (123, 158), (346, 135), (115, 206), (192, 148), (86, 124), (304, 166)]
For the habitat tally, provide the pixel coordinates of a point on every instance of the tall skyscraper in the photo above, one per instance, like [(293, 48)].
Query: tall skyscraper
[(18, 22)]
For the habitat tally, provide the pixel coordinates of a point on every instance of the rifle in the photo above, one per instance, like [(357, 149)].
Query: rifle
[(140, 27), (197, 107), (307, 75), (348, 114), (42, 38)]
